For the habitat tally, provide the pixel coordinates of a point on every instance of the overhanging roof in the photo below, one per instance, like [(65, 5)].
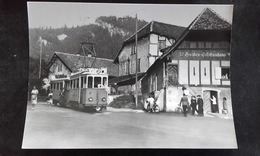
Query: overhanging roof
[(125, 79)]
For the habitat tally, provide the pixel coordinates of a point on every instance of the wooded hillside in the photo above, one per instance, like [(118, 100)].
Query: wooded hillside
[(108, 33)]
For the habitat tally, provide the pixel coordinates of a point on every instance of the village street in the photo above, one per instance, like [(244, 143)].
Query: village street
[(56, 127)]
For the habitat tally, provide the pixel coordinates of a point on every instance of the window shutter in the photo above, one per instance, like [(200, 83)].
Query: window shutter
[(218, 73)]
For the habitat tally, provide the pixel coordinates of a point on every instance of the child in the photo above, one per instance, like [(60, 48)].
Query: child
[(225, 109)]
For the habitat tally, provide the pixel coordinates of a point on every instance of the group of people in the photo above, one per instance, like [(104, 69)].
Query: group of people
[(198, 103), (193, 104), (34, 99)]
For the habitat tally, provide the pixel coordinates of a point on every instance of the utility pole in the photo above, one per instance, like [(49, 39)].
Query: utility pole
[(136, 61), (40, 39)]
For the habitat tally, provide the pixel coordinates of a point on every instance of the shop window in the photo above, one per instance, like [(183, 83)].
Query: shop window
[(225, 73), (222, 73)]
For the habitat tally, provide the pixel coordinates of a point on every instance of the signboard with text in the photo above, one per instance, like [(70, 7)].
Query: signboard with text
[(201, 55)]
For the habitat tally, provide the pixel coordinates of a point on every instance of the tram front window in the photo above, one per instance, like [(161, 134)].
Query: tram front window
[(90, 81), (97, 81)]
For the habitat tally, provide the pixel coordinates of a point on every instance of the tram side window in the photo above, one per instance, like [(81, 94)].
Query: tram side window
[(104, 81), (77, 83), (97, 81), (74, 84), (85, 82), (61, 86), (90, 81), (81, 84)]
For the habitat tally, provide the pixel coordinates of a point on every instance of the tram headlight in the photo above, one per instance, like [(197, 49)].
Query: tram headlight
[(90, 99), (103, 99)]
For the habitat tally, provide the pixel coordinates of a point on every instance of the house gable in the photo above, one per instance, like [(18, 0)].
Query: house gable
[(73, 62), (58, 70)]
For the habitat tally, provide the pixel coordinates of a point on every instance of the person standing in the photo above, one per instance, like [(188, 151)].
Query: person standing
[(184, 103), (214, 104), (150, 103), (225, 109), (34, 94), (200, 105), (50, 100), (193, 104)]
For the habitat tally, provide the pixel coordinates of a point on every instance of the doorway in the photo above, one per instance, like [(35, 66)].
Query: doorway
[(208, 104), (214, 96), (172, 75)]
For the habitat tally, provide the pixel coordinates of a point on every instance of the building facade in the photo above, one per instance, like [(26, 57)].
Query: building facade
[(199, 60), (151, 39)]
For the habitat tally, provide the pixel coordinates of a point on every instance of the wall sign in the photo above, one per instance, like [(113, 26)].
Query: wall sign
[(204, 54)]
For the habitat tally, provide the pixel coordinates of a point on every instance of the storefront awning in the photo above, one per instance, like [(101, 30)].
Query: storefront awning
[(125, 79)]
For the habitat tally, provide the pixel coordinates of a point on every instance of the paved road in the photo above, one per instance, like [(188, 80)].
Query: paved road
[(56, 127)]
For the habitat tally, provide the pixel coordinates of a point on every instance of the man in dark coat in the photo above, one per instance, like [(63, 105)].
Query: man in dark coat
[(184, 103), (200, 105)]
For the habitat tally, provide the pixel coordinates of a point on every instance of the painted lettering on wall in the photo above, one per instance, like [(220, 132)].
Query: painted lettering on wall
[(204, 54), (60, 76)]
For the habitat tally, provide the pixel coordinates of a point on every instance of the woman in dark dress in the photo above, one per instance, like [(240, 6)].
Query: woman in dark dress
[(193, 104)]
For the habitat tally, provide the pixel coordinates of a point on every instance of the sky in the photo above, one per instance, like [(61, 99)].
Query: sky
[(57, 14)]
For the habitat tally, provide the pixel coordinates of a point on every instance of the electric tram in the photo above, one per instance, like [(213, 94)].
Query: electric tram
[(87, 88)]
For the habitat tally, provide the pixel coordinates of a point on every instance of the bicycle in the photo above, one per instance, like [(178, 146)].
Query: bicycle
[(154, 109)]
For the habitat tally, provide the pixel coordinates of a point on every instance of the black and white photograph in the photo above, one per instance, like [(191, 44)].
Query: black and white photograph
[(105, 75)]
